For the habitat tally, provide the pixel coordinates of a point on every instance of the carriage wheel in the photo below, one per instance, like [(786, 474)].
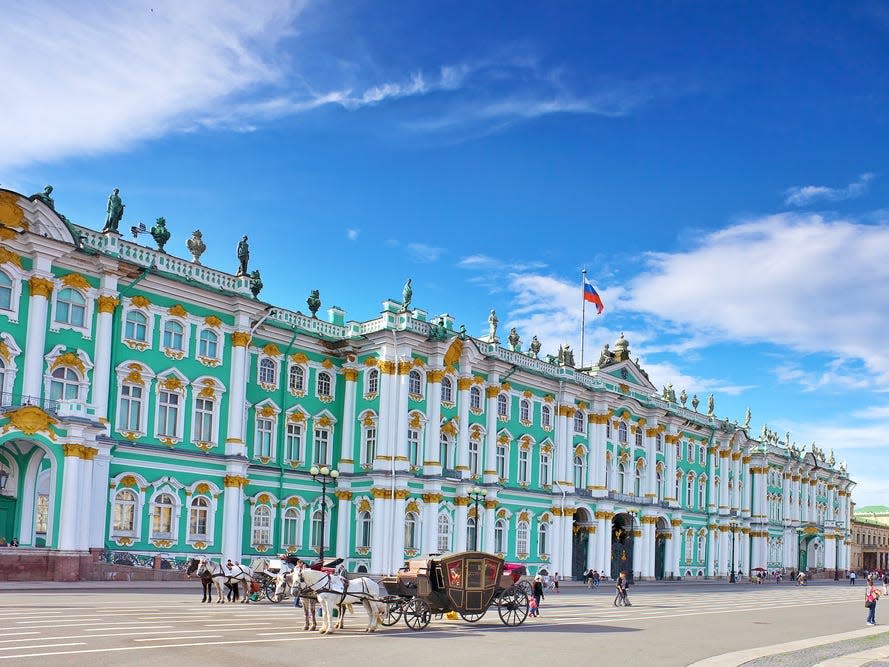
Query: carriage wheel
[(512, 605), (269, 590), (525, 586), (472, 616), (393, 612), (417, 614)]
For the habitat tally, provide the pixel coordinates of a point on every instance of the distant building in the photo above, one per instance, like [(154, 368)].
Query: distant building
[(152, 408), (870, 538)]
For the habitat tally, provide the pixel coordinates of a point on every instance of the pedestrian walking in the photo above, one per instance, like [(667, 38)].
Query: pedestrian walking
[(597, 578), (537, 593), (620, 587), (556, 579), (886, 583), (871, 595), (533, 607), (852, 578)]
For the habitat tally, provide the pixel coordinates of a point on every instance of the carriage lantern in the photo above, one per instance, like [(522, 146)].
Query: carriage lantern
[(324, 475)]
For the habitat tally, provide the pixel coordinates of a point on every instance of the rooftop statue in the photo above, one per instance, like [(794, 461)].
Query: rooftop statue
[(160, 233), (514, 341), (606, 357), (243, 256), (683, 397), (695, 402), (113, 212), (747, 416), (255, 284), (407, 294), (314, 301), (45, 197), (492, 325), (196, 246), (534, 348), (711, 404)]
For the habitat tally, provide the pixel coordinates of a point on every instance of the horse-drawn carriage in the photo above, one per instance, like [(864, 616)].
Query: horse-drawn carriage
[(468, 583)]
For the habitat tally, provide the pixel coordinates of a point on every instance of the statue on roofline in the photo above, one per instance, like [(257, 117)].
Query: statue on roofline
[(113, 212)]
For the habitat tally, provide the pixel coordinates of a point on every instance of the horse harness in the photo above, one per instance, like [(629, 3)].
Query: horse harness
[(362, 595)]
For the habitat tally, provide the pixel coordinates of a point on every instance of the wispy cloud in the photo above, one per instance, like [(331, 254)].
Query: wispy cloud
[(803, 282), (423, 253), (803, 195), (352, 234)]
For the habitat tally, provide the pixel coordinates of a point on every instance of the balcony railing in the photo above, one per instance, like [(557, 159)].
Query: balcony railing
[(9, 400)]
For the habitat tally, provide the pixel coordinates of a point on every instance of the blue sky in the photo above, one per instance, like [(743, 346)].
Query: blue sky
[(718, 168)]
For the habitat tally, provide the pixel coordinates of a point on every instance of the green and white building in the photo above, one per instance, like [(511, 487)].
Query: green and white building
[(153, 406)]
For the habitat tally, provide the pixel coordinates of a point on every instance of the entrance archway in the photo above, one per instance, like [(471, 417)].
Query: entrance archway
[(580, 543), (622, 546), (30, 499), (662, 534)]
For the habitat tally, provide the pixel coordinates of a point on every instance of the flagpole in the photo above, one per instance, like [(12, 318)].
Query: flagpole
[(582, 312)]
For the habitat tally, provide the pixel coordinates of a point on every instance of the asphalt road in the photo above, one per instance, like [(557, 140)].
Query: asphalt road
[(672, 624)]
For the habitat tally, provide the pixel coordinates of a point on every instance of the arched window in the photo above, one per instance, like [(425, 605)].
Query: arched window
[(521, 537), (262, 525), (290, 535), (415, 383), (543, 539), (316, 530), (678, 486), (545, 479), (621, 477), (364, 529), (162, 516), (689, 545), (173, 335), (475, 398), (208, 344), (129, 414), (579, 473), (4, 399), (524, 466), (659, 443), (690, 490), (622, 433), (638, 437), (608, 479), (5, 292), (296, 379), (525, 410), (413, 446), (268, 371), (70, 307), (323, 384), (65, 385), (447, 390), (702, 548), (546, 416), (579, 421), (660, 484), (373, 381), (369, 446), (637, 481), (444, 533), (702, 493), (124, 513), (502, 405), (471, 533), (198, 518), (136, 327), (410, 531), (500, 536)]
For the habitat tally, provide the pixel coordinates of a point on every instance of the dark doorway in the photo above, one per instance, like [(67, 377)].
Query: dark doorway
[(580, 544), (660, 554), (622, 546)]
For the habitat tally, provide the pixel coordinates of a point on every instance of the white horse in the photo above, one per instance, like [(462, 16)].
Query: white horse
[(233, 574), (287, 580), (329, 589)]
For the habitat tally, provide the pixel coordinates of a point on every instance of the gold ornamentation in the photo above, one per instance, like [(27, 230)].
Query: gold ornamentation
[(213, 321), (178, 311), (267, 411), (123, 541), (169, 442), (163, 544), (107, 304), (386, 367), (351, 374), (402, 494), (492, 391), (271, 350), (232, 481), (171, 383), (263, 498), (461, 501), (490, 504), (140, 301), (11, 214), (377, 492), (324, 420), (202, 487), (368, 420), (30, 419), (137, 345), (75, 280), (452, 356), (200, 545), (71, 360), (9, 257), (208, 390), (327, 363), (566, 411), (343, 495), (296, 417), (432, 498), (240, 338), (449, 428), (434, 376), (173, 354), (130, 435), (4, 351), (40, 286)]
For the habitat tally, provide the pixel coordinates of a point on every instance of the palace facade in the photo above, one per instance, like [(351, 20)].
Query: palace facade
[(152, 406)]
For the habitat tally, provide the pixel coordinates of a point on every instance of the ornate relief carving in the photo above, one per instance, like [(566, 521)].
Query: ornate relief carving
[(40, 286), (30, 419), (213, 321), (235, 481), (75, 280), (351, 374), (9, 257), (240, 339), (271, 350), (11, 214), (107, 304), (178, 310), (140, 301)]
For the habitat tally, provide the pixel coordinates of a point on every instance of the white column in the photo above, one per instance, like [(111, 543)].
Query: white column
[(735, 503), (711, 548), (69, 508), (744, 555), (108, 301), (564, 449), (462, 517), (431, 464), (591, 548), (650, 490), (237, 393), (232, 516), (676, 524), (613, 474), (384, 434), (669, 558), (745, 476), (724, 499), (86, 517), (603, 542), (785, 496), (596, 436), (463, 385), (490, 470), (399, 449), (98, 496), (670, 458), (41, 287), (430, 521), (712, 458), (650, 543), (347, 450), (638, 549), (487, 510), (344, 521), (396, 540)]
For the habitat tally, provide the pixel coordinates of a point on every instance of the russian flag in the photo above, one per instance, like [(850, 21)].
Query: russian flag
[(591, 295)]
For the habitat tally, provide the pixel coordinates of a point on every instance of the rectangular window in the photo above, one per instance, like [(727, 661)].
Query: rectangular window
[(168, 414), (473, 457), (544, 470), (130, 407), (197, 522), (523, 467), (264, 430), (322, 446), (413, 447), (294, 443), (501, 461), (370, 446), (203, 420)]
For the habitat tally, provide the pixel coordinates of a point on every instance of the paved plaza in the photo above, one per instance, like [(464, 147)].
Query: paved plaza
[(667, 625)]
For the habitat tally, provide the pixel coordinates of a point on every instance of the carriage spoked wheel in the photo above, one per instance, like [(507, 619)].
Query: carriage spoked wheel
[(524, 585), (393, 612), (417, 614), (512, 606), (269, 589), (471, 616)]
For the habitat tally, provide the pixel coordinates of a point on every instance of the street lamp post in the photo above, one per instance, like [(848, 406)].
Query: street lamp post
[(732, 579), (477, 494), (324, 476), (836, 557)]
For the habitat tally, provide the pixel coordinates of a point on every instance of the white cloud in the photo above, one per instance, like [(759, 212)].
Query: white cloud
[(798, 281), (352, 234), (803, 195), (423, 253), (94, 77)]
